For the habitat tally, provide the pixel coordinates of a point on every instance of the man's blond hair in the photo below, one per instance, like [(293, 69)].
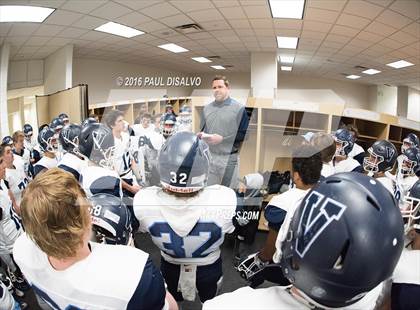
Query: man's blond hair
[(16, 135), (55, 213)]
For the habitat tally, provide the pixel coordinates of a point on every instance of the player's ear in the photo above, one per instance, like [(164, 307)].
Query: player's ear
[(296, 177)]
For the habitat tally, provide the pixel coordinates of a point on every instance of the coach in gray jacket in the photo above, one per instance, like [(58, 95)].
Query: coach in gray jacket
[(224, 123)]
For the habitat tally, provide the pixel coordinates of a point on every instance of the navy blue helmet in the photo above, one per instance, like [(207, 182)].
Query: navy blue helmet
[(168, 125), (344, 142), (410, 141), (7, 140), (57, 124), (410, 210), (96, 143), (28, 130), (89, 120), (111, 220), (345, 225), (383, 155), (69, 137), (184, 163), (64, 117), (411, 161), (47, 140)]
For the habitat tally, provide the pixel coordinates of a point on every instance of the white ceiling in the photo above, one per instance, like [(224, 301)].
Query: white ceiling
[(335, 35)]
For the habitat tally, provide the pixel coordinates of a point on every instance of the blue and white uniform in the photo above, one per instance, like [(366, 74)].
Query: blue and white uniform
[(17, 180), (73, 164), (348, 165), (90, 283), (6, 299), (44, 163), (95, 180)]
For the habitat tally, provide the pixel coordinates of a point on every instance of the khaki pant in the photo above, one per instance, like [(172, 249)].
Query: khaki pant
[(224, 170)]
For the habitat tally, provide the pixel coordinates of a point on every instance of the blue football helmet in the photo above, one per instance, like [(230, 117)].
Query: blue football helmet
[(28, 131), (410, 210), (410, 141), (344, 142), (111, 220), (96, 143), (184, 163), (168, 125), (88, 121), (382, 157), (64, 117), (185, 114), (47, 140), (57, 124), (69, 137), (345, 225), (410, 164), (7, 140)]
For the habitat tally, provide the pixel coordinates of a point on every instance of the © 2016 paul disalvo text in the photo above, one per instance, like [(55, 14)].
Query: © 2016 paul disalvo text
[(147, 81)]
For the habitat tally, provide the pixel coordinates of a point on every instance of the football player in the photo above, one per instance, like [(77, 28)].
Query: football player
[(407, 174), (411, 140), (56, 255), (382, 158), (88, 121), (306, 171), (187, 220), (22, 158), (96, 145), (185, 118), (344, 144), (65, 118), (357, 152), (329, 262), (326, 145), (406, 278), (57, 125), (168, 125), (48, 144), (145, 127), (71, 161), (7, 140)]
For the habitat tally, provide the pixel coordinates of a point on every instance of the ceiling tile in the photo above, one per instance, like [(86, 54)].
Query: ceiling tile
[(261, 23), (20, 29), (383, 3), (336, 5), (36, 40), (264, 32), (215, 25), (393, 19), (413, 29), (133, 19), (47, 3), (160, 10), (89, 22), (176, 20), (408, 8), (337, 38), (316, 26), (233, 13), (61, 17), (189, 6), (403, 37), (58, 42), (82, 6), (313, 35), (71, 32), (288, 23), (392, 44), (151, 26), (110, 11), (205, 16), (240, 23), (136, 4), (344, 31), (368, 36), (352, 21), (320, 15), (260, 11), (93, 35), (287, 32), (362, 9), (379, 28), (4, 28)]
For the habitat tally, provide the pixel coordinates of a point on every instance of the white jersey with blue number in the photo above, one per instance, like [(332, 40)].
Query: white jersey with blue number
[(10, 228), (95, 180), (408, 268), (44, 163), (23, 159), (187, 230), (73, 164), (346, 165), (106, 279), (279, 298), (387, 182), (17, 180), (122, 156), (403, 186), (6, 299), (138, 155)]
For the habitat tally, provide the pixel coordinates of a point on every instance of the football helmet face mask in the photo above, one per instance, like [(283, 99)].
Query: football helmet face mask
[(96, 143), (382, 157), (47, 140), (410, 209), (57, 124), (251, 266), (65, 118), (111, 220), (410, 163), (410, 141), (69, 138), (321, 255), (184, 163), (343, 141), (28, 131), (167, 126)]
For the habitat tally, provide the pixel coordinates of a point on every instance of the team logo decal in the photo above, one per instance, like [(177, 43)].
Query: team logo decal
[(390, 153), (317, 214)]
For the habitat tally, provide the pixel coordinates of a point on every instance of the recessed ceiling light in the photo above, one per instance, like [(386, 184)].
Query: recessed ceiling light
[(371, 71), (400, 64), (286, 68), (218, 67), (22, 13), (287, 59), (287, 8), (201, 59), (173, 48), (352, 77), (119, 30), (287, 42)]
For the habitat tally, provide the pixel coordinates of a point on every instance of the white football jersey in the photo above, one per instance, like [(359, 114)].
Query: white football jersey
[(122, 156), (408, 267), (157, 140), (187, 230), (327, 169), (6, 299), (184, 127), (138, 155), (10, 228), (44, 163), (276, 298), (139, 130), (387, 182), (73, 164), (95, 180), (356, 150), (22, 159), (89, 283), (17, 180), (288, 201), (403, 185), (346, 165), (29, 145)]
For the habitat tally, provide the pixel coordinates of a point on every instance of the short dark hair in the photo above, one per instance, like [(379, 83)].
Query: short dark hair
[(353, 129), (2, 149), (325, 145), (111, 116), (146, 115), (221, 77), (306, 161)]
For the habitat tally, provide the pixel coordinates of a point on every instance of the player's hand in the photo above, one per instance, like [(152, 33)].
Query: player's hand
[(135, 188), (214, 139)]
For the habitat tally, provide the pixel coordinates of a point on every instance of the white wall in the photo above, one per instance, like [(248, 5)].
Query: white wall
[(413, 104), (387, 99), (58, 70), (25, 73)]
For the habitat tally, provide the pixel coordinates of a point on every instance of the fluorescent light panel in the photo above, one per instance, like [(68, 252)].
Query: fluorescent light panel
[(286, 68), (287, 8), (352, 77), (173, 48), (119, 30), (287, 42), (201, 59), (287, 59), (371, 71), (22, 13), (400, 64), (218, 67)]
